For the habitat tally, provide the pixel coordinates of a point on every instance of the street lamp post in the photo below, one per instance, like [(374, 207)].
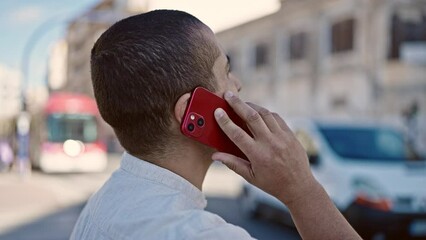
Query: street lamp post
[(24, 118)]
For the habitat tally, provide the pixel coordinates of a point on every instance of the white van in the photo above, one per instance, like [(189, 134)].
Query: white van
[(370, 173)]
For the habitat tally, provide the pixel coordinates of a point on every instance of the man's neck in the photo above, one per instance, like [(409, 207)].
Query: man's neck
[(189, 161)]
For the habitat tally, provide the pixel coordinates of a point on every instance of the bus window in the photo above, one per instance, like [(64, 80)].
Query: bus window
[(61, 127)]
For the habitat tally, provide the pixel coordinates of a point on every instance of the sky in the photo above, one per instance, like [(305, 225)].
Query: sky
[(37, 24)]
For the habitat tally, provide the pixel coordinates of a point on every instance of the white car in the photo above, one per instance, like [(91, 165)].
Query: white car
[(370, 173)]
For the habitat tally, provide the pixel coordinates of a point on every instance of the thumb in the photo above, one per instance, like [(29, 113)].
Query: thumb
[(240, 166)]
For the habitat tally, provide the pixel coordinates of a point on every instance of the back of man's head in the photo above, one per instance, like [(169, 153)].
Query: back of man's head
[(141, 66)]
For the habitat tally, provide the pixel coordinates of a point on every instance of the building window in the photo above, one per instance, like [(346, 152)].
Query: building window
[(342, 36), (339, 102), (407, 35), (261, 55), (298, 46)]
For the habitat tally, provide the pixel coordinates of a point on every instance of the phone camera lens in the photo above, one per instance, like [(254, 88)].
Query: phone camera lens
[(200, 122), (191, 127)]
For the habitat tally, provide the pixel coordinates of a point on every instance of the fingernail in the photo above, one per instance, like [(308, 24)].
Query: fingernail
[(218, 113), (218, 160), (229, 95), (215, 158)]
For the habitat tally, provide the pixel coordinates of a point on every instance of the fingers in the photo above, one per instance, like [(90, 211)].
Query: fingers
[(249, 115), (283, 125), (267, 116), (234, 132), (236, 164)]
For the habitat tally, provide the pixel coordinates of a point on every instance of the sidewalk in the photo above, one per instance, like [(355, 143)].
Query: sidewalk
[(24, 201)]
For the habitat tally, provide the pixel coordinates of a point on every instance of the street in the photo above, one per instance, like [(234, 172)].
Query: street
[(46, 206)]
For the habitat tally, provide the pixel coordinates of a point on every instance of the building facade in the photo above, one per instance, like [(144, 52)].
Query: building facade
[(10, 99), (334, 58), (84, 30)]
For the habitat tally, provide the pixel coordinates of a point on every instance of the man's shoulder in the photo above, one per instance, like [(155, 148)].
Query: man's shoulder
[(188, 224), (215, 227), (130, 206)]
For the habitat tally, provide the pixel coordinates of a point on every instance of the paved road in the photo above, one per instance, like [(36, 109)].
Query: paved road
[(45, 207), (263, 229)]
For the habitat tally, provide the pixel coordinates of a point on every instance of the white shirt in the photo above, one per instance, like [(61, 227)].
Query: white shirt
[(144, 201)]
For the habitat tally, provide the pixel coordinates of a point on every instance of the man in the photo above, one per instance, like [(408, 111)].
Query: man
[(143, 71)]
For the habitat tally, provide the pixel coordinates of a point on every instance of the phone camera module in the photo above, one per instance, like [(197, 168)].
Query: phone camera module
[(190, 127), (200, 122)]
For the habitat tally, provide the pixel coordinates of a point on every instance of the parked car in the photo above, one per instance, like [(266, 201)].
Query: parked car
[(375, 179)]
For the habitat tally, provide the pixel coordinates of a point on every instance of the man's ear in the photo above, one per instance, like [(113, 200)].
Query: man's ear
[(180, 106)]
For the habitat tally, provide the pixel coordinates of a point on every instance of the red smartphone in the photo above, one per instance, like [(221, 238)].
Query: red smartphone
[(200, 124)]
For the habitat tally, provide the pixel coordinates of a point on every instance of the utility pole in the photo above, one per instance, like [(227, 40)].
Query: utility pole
[(24, 118)]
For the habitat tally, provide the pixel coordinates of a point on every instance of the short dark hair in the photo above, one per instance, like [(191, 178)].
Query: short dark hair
[(140, 67)]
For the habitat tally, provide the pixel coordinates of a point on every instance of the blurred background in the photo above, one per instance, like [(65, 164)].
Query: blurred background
[(348, 75)]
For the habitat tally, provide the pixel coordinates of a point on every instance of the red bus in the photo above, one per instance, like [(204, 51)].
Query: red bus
[(69, 136)]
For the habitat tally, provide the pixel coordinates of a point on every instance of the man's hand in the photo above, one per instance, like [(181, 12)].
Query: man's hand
[(278, 164)]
